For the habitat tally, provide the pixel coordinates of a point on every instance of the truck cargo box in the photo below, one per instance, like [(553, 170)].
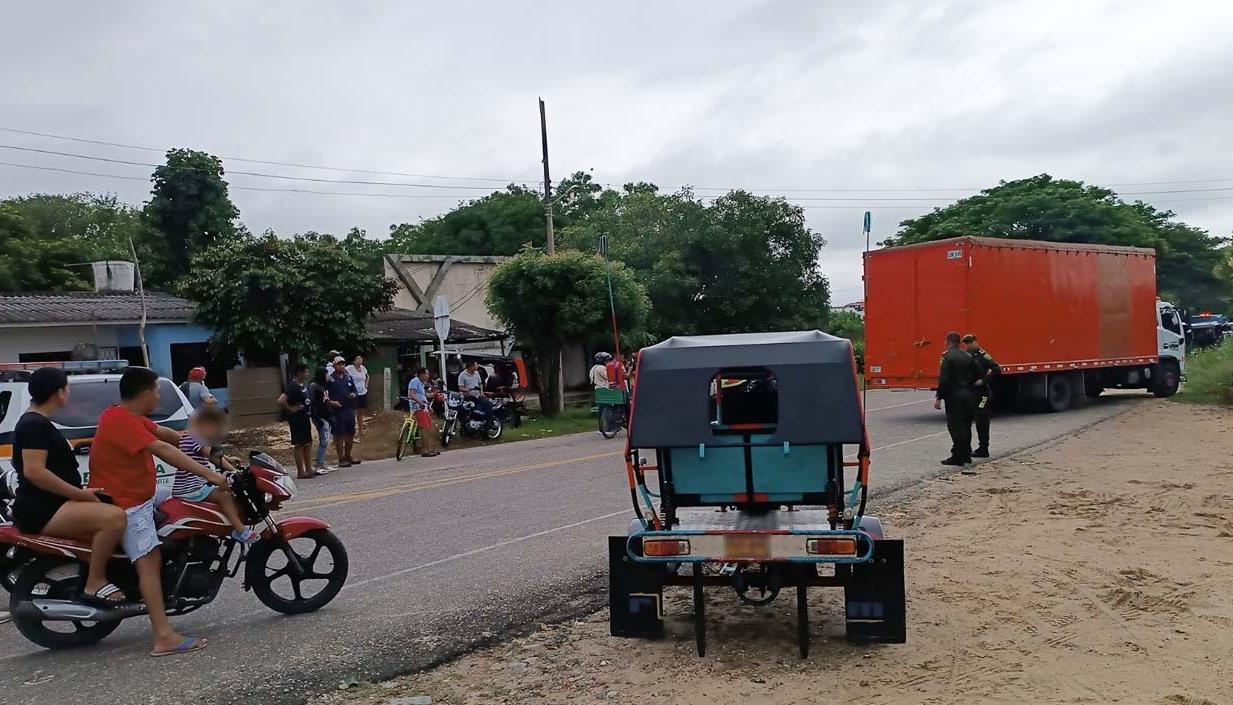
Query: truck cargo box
[(1036, 306)]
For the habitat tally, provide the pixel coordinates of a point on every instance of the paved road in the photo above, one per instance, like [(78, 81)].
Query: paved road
[(445, 554)]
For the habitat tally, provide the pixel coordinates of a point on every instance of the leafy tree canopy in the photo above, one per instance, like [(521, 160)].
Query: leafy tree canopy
[(189, 207), (497, 224), (1060, 210), (46, 238), (549, 300), (743, 263), (303, 295)]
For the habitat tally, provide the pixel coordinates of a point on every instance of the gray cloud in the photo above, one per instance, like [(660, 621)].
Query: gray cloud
[(772, 94)]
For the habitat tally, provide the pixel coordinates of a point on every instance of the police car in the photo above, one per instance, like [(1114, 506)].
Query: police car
[(93, 386)]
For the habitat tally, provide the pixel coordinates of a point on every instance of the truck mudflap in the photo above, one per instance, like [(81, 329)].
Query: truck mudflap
[(635, 594), (875, 600)]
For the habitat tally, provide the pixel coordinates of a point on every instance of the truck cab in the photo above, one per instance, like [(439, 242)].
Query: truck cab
[(1170, 334)]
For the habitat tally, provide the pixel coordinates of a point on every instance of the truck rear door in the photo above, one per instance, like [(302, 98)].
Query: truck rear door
[(941, 302)]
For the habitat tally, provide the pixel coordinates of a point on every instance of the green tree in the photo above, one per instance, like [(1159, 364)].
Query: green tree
[(47, 237), (190, 208), (303, 295), (497, 224), (1060, 210), (549, 301), (744, 263), (850, 325)]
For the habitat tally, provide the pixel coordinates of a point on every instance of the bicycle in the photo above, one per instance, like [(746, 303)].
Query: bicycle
[(613, 408), (410, 435)]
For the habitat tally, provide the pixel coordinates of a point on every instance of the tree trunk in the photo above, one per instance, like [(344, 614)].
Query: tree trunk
[(548, 372)]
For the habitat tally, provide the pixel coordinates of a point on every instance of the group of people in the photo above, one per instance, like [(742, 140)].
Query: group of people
[(965, 383), (116, 507), (331, 400)]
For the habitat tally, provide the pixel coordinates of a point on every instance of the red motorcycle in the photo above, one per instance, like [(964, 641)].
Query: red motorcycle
[(297, 566)]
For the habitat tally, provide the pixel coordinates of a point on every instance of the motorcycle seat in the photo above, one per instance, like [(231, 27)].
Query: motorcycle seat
[(9, 534)]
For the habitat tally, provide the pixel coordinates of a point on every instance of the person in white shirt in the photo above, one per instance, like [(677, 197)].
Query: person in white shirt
[(359, 375), (471, 384), (599, 371)]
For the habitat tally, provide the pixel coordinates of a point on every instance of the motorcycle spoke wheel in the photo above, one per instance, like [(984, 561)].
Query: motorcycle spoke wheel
[(308, 584)]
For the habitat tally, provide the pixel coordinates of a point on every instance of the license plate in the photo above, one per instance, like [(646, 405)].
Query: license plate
[(747, 546)]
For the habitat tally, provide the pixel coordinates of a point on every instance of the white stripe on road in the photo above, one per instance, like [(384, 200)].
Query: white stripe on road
[(901, 443), (499, 544), (906, 403)]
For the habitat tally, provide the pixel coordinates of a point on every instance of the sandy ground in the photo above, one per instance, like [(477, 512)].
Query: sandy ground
[(1097, 570)]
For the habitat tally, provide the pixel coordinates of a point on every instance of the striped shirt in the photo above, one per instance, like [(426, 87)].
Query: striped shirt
[(188, 484)]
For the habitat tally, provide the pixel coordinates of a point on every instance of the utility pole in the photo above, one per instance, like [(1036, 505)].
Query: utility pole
[(543, 131)]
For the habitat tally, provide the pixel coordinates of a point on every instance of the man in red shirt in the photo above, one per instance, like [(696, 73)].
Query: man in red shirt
[(122, 466)]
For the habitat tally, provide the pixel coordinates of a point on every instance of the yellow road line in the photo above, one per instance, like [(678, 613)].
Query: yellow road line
[(335, 500)]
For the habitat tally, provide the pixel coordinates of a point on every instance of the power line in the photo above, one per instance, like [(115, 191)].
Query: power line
[(263, 161), (401, 184), (238, 188)]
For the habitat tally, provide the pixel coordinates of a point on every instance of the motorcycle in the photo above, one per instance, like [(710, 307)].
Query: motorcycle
[(298, 565), (462, 417)]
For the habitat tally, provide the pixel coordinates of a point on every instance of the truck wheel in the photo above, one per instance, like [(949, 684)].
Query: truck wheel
[(1058, 393), (1168, 379)]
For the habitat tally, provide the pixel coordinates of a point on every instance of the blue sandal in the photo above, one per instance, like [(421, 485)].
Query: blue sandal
[(189, 645)]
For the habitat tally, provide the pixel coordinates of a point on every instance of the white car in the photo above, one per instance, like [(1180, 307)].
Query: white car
[(89, 396)]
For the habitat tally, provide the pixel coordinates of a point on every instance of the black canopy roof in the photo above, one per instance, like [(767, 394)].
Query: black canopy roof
[(814, 372)]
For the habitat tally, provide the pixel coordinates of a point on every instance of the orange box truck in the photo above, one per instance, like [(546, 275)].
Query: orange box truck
[(1065, 321)]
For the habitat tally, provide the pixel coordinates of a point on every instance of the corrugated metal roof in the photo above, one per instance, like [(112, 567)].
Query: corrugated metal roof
[(404, 324), (91, 307)]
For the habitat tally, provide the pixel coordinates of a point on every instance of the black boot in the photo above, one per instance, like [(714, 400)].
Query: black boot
[(982, 452), (953, 461)]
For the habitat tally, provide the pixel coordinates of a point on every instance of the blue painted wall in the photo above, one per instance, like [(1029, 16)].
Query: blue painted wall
[(160, 337)]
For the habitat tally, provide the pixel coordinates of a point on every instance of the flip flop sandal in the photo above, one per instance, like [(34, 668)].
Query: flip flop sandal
[(189, 645), (103, 597)]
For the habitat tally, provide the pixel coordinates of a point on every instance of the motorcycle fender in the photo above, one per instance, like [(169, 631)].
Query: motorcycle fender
[(295, 527)]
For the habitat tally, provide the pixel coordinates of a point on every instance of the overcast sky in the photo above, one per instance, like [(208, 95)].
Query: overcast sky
[(767, 95)]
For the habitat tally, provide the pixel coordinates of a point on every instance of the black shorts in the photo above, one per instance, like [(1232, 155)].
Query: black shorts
[(32, 517), (361, 401), (301, 430)]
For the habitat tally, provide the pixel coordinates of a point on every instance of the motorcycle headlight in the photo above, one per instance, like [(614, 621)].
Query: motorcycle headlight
[(285, 482)]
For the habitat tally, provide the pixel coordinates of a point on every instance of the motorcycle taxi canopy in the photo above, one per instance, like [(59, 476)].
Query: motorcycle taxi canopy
[(814, 376)]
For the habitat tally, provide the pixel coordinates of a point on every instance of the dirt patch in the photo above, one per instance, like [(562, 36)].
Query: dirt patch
[(1097, 570)]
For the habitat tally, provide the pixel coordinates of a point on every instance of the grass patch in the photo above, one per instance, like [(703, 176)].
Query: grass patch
[(1209, 376)]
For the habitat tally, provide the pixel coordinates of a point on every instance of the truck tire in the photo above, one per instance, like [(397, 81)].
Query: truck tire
[(1167, 379), (1059, 393)]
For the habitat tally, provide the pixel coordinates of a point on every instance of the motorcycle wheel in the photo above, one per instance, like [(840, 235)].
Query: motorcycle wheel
[(269, 575), (55, 579), (609, 421), (494, 429), (447, 432)]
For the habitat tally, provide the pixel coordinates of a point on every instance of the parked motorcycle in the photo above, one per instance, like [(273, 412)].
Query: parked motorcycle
[(462, 417), (297, 566)]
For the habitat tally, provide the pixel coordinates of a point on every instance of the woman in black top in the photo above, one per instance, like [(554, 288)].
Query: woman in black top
[(50, 499)]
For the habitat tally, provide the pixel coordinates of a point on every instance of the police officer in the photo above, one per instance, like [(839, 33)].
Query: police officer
[(989, 370), (957, 378)]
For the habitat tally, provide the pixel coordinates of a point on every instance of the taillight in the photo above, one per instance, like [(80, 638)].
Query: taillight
[(838, 546), (665, 547)]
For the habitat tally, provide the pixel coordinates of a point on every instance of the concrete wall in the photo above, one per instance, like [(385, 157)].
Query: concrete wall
[(464, 284), (36, 339)]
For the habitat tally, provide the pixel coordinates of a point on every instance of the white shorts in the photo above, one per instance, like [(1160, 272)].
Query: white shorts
[(141, 534)]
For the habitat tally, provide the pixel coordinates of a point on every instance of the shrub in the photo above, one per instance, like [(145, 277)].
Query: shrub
[(1209, 375)]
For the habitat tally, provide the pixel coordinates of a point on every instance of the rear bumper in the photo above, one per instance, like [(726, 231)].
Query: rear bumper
[(806, 545)]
